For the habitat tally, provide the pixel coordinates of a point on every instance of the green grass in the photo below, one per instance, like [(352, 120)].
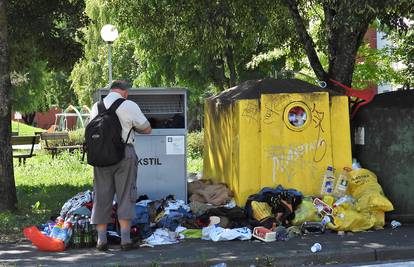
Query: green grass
[(43, 185), (25, 129)]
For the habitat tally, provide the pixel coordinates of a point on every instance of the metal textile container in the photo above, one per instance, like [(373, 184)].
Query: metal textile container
[(161, 154)]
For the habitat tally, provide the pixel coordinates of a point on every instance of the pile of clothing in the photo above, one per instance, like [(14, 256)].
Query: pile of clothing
[(212, 214)]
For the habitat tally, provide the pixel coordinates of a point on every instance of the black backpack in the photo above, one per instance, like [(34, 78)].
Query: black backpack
[(103, 139)]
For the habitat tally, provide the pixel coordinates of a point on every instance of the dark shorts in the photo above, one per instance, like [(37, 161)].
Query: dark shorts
[(119, 179)]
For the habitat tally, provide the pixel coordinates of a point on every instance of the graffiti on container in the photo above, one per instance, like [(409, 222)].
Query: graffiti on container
[(274, 108), (288, 159), (320, 151), (251, 112)]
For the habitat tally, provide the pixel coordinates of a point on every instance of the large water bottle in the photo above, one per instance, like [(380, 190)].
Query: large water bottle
[(342, 184), (328, 182)]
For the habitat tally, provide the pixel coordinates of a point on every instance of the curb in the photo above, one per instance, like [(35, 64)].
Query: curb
[(296, 258)]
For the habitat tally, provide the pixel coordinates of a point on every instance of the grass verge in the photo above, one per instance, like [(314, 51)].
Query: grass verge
[(43, 185)]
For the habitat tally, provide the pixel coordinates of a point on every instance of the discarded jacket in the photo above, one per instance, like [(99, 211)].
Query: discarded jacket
[(282, 202)]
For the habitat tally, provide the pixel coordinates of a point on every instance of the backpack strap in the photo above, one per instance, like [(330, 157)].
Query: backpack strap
[(101, 107), (126, 141), (116, 104)]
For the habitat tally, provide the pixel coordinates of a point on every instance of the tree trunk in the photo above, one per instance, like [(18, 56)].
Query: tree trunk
[(343, 44), (306, 40), (217, 72), (230, 65), (8, 198), (343, 39)]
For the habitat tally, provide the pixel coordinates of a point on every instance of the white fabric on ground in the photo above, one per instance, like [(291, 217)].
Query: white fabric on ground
[(217, 233), (162, 237)]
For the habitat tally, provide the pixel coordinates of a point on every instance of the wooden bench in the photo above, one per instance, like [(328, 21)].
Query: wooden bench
[(58, 141), (27, 151)]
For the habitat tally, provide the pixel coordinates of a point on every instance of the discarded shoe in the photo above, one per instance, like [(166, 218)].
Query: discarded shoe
[(102, 247), (129, 246)]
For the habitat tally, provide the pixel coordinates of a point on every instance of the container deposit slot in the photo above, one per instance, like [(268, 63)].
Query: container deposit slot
[(162, 111)]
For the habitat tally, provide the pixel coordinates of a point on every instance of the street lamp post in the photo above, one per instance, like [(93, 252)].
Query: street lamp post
[(109, 34)]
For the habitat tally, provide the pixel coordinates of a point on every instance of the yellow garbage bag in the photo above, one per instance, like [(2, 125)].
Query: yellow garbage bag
[(261, 210), (346, 218), (379, 218), (364, 187), (306, 212)]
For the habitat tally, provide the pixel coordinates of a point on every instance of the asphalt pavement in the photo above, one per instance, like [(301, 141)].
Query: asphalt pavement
[(351, 248)]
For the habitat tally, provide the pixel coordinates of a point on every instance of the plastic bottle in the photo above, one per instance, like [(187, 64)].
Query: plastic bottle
[(343, 200), (355, 164), (342, 184), (326, 219), (328, 182), (316, 247)]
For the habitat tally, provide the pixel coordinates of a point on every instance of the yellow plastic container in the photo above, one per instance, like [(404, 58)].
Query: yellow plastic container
[(284, 138)]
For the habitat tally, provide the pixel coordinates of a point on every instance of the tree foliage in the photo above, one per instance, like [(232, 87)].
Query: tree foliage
[(403, 52), (343, 25), (209, 46), (204, 42), (91, 72), (44, 45), (204, 46), (45, 30)]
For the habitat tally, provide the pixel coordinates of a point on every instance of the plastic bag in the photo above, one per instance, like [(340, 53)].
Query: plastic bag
[(43, 242), (346, 218), (364, 187), (379, 219), (306, 212)]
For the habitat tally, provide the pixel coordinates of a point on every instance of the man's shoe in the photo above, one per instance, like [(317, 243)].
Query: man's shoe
[(129, 246), (102, 247)]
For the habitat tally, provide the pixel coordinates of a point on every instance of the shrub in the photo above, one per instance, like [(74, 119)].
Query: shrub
[(195, 144), (77, 137)]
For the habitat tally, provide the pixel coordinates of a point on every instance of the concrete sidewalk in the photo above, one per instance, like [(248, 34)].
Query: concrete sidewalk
[(387, 244)]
